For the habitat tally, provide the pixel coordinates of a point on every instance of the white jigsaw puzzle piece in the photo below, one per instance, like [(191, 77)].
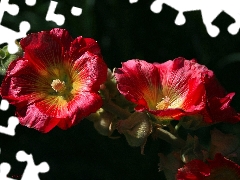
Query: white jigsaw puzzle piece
[(4, 170), (30, 2), (209, 10), (8, 35), (76, 11), (133, 1), (12, 121), (31, 171), (4, 105), (12, 9), (51, 16), (10, 129)]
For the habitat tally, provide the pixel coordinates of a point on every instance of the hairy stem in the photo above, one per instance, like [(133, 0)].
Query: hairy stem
[(115, 109), (170, 138)]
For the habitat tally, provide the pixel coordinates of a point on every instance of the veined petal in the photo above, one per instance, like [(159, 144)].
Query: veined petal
[(32, 117), (81, 106), (51, 105), (63, 37), (88, 72), (43, 50), (140, 83), (182, 82), (18, 84)]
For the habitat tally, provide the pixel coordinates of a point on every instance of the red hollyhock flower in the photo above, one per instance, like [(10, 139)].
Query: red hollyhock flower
[(56, 82), (175, 89), (169, 90), (220, 168)]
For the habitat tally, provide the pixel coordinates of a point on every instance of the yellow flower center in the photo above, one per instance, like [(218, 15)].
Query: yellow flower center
[(58, 85), (164, 103)]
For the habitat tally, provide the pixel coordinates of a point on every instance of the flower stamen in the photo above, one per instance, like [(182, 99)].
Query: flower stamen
[(164, 103), (58, 85)]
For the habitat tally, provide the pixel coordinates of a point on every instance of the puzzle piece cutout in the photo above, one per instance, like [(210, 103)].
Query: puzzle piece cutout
[(12, 9), (31, 171), (133, 1), (4, 105), (76, 11), (51, 16), (209, 10), (10, 129), (59, 19), (30, 2), (4, 170), (7, 35), (12, 121)]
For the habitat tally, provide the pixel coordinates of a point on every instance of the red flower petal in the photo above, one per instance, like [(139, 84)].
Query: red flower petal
[(81, 106), (43, 50), (62, 36), (183, 78), (32, 117), (17, 85), (194, 170), (80, 45), (220, 168), (218, 105), (140, 83), (220, 110), (90, 71), (223, 168)]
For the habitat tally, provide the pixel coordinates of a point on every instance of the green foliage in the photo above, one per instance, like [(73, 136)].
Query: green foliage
[(6, 58)]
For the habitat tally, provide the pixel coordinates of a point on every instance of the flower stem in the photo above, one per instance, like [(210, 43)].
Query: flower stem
[(178, 126), (109, 106), (170, 138)]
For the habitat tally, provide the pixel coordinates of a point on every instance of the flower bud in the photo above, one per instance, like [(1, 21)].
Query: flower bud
[(103, 122), (136, 129), (193, 150)]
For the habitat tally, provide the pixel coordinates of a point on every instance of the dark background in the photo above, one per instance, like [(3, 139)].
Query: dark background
[(124, 31)]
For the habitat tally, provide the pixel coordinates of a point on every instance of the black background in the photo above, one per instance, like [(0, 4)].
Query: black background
[(124, 31)]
